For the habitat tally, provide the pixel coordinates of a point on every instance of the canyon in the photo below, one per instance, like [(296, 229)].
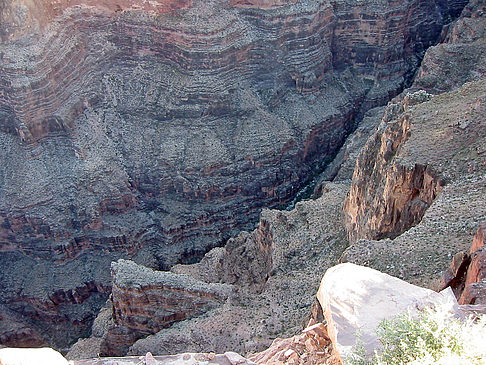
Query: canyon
[(143, 136)]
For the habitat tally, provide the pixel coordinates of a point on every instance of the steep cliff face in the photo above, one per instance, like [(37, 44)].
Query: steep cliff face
[(460, 57), (467, 273), (387, 197), (395, 179), (157, 130), (447, 135)]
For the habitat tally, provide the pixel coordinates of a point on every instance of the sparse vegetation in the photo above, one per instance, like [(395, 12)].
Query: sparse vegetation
[(434, 337)]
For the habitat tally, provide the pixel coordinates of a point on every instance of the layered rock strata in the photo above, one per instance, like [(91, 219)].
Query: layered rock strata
[(460, 56), (16, 331), (145, 301), (157, 130)]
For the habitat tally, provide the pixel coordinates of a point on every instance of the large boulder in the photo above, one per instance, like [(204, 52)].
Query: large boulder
[(356, 299)]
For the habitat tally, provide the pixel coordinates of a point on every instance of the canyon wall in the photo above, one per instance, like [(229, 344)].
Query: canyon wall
[(429, 202), (425, 163), (158, 130)]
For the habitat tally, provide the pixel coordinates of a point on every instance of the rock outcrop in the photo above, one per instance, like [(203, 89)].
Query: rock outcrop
[(444, 139), (157, 130), (145, 301), (294, 248), (356, 299), (386, 196), (467, 273), (440, 140), (460, 56), (312, 346)]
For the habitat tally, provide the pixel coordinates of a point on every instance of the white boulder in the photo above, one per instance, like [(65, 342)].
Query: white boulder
[(355, 299), (29, 356)]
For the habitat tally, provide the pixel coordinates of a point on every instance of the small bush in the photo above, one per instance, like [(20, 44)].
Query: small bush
[(435, 337)]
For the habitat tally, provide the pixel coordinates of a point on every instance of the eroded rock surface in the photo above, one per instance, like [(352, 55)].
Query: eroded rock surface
[(157, 130), (460, 56), (388, 196), (445, 139), (467, 273), (145, 301), (296, 246), (312, 346)]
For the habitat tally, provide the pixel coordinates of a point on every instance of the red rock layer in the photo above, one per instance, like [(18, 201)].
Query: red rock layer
[(467, 273), (475, 280)]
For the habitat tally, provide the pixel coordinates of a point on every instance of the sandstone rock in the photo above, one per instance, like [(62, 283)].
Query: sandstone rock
[(479, 240), (30, 356), (355, 299), (386, 197)]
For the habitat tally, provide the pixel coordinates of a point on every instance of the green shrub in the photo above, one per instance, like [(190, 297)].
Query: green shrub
[(434, 337)]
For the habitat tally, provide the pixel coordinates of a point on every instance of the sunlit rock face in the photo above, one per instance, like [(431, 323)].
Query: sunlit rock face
[(156, 130)]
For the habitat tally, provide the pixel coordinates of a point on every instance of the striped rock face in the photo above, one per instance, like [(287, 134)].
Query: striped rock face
[(155, 130)]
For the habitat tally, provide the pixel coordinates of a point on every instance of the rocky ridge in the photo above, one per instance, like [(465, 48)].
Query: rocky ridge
[(266, 275), (445, 137)]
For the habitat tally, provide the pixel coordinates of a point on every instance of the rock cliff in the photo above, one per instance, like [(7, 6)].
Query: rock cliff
[(157, 130), (443, 143), (145, 301), (467, 273)]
